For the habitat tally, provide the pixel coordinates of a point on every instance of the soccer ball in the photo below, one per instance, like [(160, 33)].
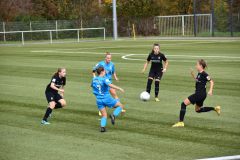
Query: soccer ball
[(144, 96)]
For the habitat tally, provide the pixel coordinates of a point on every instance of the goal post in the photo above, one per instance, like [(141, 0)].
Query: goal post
[(53, 36), (183, 25)]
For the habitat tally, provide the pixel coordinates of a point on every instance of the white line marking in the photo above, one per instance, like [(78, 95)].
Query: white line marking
[(127, 57), (126, 46), (55, 51), (132, 59), (223, 158), (124, 57)]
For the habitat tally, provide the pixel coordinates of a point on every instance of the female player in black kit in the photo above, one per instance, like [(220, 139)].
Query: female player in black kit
[(54, 93), (200, 93), (157, 69)]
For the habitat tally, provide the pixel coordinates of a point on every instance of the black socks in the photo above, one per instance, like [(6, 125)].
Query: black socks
[(48, 112), (205, 109), (156, 88), (149, 83), (182, 112)]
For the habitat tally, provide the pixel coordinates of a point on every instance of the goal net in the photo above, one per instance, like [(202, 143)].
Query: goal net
[(183, 25)]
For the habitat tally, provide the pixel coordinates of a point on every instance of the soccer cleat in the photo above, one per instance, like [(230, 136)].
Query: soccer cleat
[(123, 111), (44, 122), (157, 99), (103, 129), (112, 117), (178, 124), (99, 113), (218, 110)]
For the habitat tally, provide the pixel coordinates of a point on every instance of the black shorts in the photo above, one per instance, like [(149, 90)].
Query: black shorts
[(197, 99), (155, 74), (53, 97)]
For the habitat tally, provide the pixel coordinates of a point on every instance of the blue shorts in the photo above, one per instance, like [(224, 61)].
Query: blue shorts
[(106, 102)]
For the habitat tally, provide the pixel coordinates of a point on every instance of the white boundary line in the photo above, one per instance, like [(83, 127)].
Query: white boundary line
[(223, 158)]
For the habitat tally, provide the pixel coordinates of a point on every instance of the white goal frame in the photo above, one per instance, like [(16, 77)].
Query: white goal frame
[(167, 22), (51, 31)]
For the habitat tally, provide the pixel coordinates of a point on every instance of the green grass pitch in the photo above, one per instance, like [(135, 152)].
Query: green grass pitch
[(144, 132)]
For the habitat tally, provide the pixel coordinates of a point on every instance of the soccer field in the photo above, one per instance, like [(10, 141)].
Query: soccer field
[(145, 131)]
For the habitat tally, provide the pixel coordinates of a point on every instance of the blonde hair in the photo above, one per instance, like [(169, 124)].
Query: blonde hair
[(107, 54)]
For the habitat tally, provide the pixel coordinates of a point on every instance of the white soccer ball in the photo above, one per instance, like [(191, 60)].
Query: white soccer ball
[(144, 96)]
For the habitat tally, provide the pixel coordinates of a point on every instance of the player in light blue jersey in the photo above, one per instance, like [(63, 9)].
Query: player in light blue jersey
[(110, 72), (101, 86)]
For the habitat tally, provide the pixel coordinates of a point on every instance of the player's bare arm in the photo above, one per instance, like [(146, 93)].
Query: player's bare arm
[(116, 87), (210, 92), (145, 66), (165, 66)]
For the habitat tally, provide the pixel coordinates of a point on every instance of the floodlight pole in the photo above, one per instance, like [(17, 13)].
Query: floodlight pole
[(231, 17), (194, 18), (115, 32), (213, 18)]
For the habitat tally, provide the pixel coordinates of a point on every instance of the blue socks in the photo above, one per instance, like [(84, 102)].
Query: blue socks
[(103, 122), (117, 111)]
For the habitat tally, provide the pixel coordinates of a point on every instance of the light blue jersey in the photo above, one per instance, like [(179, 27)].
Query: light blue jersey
[(108, 67), (100, 86)]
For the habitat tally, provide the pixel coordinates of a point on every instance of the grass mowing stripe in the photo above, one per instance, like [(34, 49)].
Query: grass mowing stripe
[(144, 132)]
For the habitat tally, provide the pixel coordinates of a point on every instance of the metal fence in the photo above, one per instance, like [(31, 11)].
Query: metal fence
[(180, 25)]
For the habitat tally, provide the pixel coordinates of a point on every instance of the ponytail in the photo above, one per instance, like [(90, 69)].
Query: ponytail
[(57, 72)]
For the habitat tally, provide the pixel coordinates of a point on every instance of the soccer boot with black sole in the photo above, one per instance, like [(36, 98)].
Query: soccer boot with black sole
[(112, 117), (103, 129)]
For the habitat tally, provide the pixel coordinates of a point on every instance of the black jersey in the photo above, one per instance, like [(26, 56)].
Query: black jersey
[(156, 61), (59, 82), (201, 81)]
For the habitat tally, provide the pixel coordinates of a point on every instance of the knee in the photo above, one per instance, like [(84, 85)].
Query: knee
[(121, 106), (63, 103), (150, 79), (104, 116), (52, 105)]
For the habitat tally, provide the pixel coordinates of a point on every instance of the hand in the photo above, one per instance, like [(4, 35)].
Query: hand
[(120, 89), (210, 93), (62, 95), (116, 79), (164, 70), (61, 90), (143, 71)]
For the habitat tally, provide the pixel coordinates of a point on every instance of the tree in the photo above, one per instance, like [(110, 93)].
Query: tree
[(10, 9)]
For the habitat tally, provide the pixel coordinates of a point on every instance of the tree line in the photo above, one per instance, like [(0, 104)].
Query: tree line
[(29, 10)]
